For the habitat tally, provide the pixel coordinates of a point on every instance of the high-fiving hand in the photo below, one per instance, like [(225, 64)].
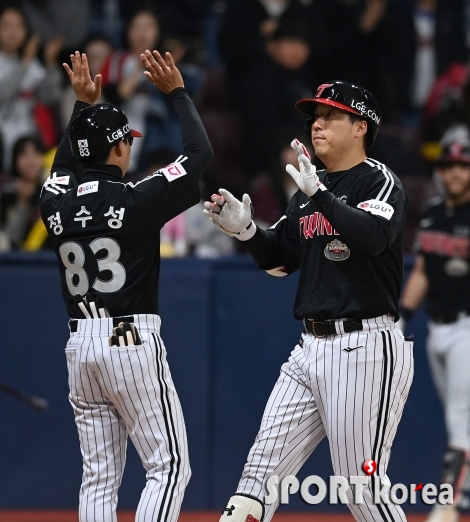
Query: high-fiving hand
[(163, 74), (307, 179), (232, 216), (86, 89)]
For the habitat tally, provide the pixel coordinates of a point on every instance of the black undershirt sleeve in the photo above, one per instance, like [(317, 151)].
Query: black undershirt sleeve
[(195, 141)]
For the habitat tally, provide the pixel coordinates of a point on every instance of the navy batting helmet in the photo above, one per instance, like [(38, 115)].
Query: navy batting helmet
[(96, 130), (349, 97)]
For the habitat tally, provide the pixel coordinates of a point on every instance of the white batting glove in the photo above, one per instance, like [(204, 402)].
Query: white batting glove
[(307, 179), (232, 216)]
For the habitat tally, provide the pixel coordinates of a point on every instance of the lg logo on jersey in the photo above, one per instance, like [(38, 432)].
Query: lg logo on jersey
[(339, 486), (379, 208)]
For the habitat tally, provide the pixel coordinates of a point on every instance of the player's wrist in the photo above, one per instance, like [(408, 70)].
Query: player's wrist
[(246, 233)]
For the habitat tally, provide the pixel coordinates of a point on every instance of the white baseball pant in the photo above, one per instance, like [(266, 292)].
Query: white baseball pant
[(351, 388), (448, 348), (121, 391)]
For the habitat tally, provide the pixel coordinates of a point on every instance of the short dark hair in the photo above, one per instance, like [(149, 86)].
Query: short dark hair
[(355, 117), (100, 159)]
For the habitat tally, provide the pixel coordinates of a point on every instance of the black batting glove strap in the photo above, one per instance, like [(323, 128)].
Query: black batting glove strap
[(90, 307), (125, 334)]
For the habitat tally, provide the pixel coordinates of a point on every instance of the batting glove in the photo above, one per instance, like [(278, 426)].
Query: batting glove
[(232, 216), (307, 179), (125, 334), (90, 306)]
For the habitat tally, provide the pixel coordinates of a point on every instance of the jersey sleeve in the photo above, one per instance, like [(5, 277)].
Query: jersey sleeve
[(65, 167), (274, 250), (175, 188), (386, 200), (376, 221)]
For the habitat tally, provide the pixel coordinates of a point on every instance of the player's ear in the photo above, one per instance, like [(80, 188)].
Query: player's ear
[(119, 149), (361, 128)]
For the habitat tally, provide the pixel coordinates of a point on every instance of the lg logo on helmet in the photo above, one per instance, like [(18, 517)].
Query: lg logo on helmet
[(359, 106), (118, 134)]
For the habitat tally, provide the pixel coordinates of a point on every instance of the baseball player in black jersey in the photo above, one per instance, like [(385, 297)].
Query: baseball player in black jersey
[(106, 236), (441, 275), (348, 377)]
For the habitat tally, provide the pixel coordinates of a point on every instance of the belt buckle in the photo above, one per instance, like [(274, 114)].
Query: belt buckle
[(313, 329)]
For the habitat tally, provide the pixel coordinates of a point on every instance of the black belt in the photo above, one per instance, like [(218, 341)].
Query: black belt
[(73, 323), (448, 318), (324, 328)]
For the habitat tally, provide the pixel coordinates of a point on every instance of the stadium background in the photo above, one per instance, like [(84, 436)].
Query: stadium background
[(227, 326)]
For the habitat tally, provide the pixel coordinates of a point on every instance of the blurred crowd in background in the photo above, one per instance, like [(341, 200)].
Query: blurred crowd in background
[(245, 63)]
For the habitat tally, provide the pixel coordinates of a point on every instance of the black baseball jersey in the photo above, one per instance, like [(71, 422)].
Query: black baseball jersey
[(106, 233), (444, 241), (346, 240)]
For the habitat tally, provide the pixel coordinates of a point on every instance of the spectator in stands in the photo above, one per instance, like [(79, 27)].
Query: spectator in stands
[(266, 46), (272, 190), (24, 81), (356, 44), (97, 48), (67, 18), (431, 37), (124, 84), (162, 128), (19, 199)]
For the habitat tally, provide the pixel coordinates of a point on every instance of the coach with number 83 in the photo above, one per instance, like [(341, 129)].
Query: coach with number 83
[(106, 235)]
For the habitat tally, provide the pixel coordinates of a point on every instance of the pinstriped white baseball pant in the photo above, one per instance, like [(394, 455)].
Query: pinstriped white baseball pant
[(116, 392), (449, 359), (354, 397)]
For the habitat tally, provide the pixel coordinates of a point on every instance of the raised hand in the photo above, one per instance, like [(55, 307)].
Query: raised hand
[(31, 48), (86, 89), (52, 50), (162, 73), (306, 177)]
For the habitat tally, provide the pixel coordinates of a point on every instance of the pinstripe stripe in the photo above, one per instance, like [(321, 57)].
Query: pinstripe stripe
[(172, 439), (381, 419)]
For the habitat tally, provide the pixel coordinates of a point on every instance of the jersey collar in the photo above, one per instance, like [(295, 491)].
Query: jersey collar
[(94, 172)]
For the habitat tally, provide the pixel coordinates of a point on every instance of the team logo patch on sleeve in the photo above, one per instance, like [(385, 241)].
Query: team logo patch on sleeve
[(173, 171), (378, 208)]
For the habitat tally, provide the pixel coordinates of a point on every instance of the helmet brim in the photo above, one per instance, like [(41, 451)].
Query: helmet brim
[(136, 134), (452, 158), (307, 106)]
